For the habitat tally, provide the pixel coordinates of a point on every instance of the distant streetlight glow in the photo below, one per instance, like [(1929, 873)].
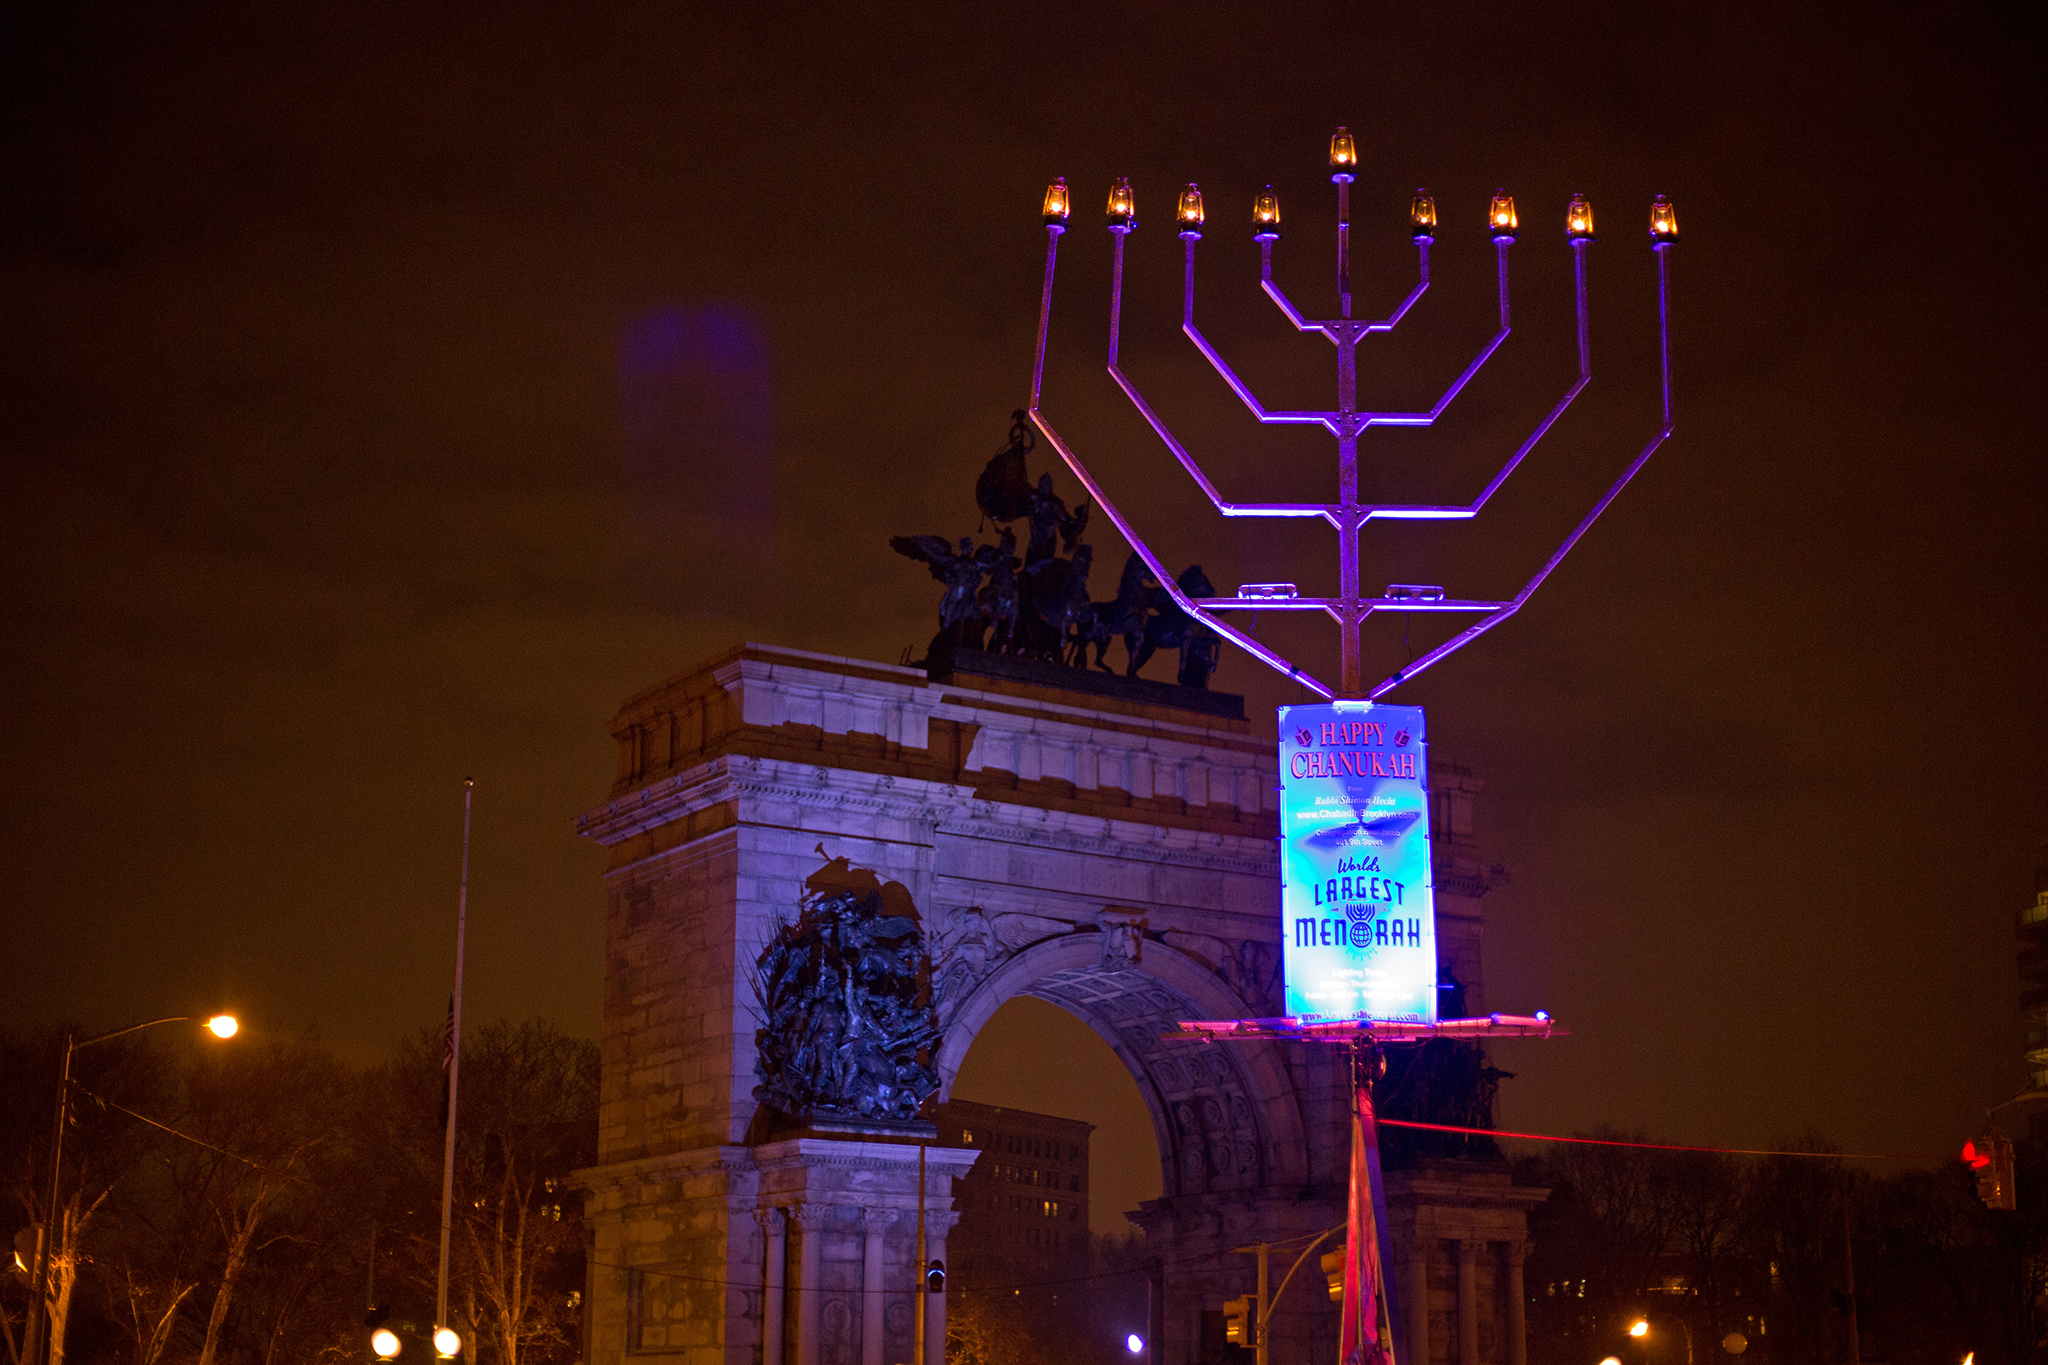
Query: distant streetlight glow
[(1611, 1360), (447, 1344), (384, 1342), (223, 1026), (1639, 1328), (1135, 1343)]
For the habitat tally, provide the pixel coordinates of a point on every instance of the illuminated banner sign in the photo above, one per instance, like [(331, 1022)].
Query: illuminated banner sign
[(1359, 921)]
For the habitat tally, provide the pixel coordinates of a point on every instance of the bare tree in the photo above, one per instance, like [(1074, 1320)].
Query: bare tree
[(255, 1120), (529, 1098), (148, 1303)]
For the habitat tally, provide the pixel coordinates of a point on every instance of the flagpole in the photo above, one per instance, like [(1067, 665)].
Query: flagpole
[(454, 1064)]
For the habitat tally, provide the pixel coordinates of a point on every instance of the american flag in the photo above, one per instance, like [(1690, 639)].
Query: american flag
[(447, 1058)]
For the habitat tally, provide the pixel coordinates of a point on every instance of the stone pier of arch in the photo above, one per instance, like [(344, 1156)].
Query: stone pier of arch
[(1111, 854)]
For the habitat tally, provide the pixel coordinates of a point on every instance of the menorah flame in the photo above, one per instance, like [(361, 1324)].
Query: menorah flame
[(1346, 421)]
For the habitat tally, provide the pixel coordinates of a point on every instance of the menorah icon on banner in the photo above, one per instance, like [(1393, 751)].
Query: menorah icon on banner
[(1346, 422)]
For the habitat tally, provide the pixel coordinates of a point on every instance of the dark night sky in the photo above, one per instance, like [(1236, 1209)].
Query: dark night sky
[(391, 390)]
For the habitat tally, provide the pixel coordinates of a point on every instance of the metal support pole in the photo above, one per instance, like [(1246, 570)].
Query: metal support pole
[(1265, 1327), (454, 1066), (917, 1328), (1368, 1278)]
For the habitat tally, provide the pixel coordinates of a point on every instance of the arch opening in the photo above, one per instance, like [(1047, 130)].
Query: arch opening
[(1224, 1119)]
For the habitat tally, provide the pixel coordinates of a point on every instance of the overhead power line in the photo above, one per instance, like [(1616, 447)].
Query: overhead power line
[(1656, 1146)]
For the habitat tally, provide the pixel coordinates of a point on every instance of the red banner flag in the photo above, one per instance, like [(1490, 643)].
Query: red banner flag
[(1363, 1339)]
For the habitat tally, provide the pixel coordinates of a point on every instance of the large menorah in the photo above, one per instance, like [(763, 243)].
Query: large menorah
[(1346, 421)]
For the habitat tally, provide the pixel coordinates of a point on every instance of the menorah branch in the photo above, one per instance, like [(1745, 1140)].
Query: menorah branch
[(1350, 608)]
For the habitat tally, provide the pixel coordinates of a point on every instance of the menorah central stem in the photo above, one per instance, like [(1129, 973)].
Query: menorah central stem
[(1351, 681), (1349, 519), (1344, 246)]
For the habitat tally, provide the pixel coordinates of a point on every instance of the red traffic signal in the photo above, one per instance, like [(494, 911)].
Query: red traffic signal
[(1990, 1157)]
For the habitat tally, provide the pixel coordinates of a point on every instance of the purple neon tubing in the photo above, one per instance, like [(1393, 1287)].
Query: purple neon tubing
[(1514, 604), (1341, 423), (1151, 561)]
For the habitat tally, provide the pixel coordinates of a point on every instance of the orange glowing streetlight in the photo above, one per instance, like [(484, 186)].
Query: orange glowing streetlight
[(220, 1025)]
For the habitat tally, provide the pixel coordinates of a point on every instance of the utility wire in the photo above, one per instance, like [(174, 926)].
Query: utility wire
[(197, 1142), (1653, 1146)]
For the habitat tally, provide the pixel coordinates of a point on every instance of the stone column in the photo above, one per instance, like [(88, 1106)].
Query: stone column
[(1518, 1305), (1418, 1302), (773, 1247), (1468, 1301), (873, 1224), (1155, 1312), (935, 1227), (810, 1298)]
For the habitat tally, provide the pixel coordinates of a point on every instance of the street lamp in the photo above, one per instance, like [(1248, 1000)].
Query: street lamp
[(1640, 1329), (221, 1026)]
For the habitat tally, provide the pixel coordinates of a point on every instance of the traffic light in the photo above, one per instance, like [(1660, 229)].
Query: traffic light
[(1990, 1157), (1333, 1272), (935, 1278), (1237, 1321)]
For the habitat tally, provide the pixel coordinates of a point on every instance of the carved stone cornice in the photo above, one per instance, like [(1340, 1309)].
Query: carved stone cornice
[(735, 777), (835, 1153), (663, 1169), (1144, 842), (656, 804)]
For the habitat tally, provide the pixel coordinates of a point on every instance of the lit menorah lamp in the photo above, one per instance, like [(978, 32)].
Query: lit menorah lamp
[(1347, 422)]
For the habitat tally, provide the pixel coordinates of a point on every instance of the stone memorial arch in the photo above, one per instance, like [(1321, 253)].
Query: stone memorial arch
[(1106, 845)]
